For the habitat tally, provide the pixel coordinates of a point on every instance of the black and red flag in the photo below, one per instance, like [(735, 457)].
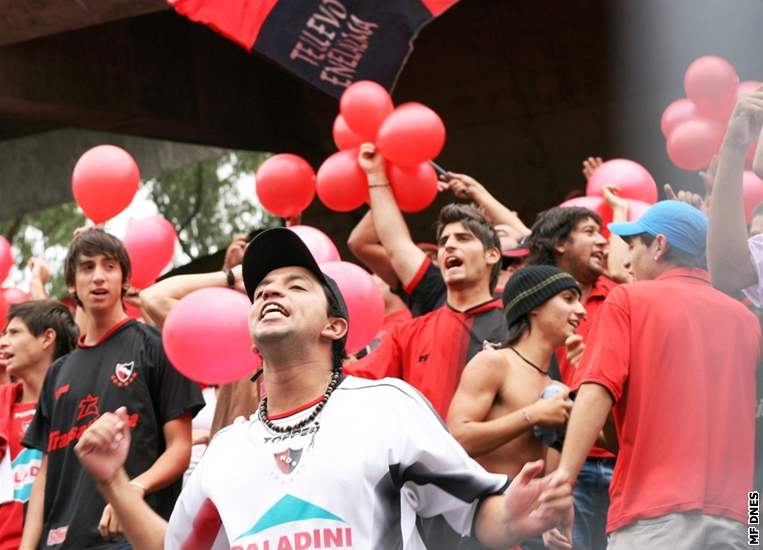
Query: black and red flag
[(329, 43)]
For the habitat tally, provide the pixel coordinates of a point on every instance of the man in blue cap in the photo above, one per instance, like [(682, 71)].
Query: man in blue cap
[(674, 359)]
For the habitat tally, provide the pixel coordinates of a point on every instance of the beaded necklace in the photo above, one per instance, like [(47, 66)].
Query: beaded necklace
[(262, 410)]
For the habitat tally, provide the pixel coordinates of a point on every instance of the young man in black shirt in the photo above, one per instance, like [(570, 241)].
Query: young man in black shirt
[(118, 362)]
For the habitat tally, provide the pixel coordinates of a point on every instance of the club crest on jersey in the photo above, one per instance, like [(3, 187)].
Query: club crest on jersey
[(124, 374), (287, 460)]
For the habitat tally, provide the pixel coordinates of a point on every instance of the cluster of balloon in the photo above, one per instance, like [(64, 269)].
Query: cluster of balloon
[(634, 183), (104, 182), (206, 336), (150, 243), (408, 137), (6, 262), (694, 126), (285, 185)]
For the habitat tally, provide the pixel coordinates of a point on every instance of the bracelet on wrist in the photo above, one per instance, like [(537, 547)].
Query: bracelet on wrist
[(139, 485), (378, 185), (526, 416), (230, 279)]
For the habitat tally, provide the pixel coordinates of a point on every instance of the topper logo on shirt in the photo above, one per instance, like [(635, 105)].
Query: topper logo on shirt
[(88, 407), (124, 374), (287, 460)]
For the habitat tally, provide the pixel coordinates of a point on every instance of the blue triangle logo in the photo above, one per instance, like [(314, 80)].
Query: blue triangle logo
[(288, 510)]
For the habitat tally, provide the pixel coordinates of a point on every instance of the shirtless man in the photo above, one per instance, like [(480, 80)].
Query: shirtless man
[(497, 403)]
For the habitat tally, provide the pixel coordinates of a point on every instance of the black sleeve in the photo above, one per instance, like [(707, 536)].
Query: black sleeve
[(172, 393), (37, 433), (427, 291)]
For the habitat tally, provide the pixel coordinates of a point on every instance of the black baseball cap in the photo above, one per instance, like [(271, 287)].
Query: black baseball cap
[(281, 247)]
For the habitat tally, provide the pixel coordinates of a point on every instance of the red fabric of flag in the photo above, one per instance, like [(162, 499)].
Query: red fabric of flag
[(237, 20)]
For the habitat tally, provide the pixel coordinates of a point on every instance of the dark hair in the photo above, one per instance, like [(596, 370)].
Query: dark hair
[(41, 315), (677, 257), (552, 227), (92, 242), (474, 220), (338, 353), (517, 330)]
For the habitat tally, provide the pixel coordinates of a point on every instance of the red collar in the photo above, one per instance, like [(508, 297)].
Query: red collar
[(494, 303), (602, 287), (685, 272), (106, 336)]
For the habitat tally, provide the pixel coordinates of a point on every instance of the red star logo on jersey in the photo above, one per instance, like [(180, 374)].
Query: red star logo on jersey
[(88, 407)]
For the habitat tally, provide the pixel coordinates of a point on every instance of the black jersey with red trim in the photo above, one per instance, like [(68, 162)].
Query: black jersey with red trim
[(430, 352), (426, 291), (126, 368)]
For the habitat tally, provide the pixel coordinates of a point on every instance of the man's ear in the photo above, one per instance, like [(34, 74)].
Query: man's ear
[(492, 256), (561, 246), (661, 247), (335, 328), (48, 339)]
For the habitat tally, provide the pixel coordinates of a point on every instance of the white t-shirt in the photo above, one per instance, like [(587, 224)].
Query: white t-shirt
[(377, 458), (755, 293)]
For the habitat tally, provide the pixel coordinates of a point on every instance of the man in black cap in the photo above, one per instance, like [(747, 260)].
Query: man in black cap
[(497, 414), (327, 460)]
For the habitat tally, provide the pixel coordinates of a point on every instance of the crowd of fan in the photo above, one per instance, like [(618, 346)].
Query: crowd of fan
[(499, 325)]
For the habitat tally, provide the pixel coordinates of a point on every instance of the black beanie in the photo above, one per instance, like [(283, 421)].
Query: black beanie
[(532, 286)]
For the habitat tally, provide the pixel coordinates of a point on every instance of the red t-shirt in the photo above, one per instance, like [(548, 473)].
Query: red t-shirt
[(430, 352), (570, 374), (679, 359), (25, 465)]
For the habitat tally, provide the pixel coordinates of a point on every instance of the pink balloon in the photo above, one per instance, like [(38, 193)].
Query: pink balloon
[(633, 180), (364, 105), (636, 209), (318, 243), (150, 242), (693, 144), (752, 190), (747, 86), (414, 188), (677, 112), (341, 183), (285, 184), (15, 296), (364, 300), (3, 311), (343, 136), (598, 205), (711, 83), (6, 258), (104, 182), (206, 336), (413, 133)]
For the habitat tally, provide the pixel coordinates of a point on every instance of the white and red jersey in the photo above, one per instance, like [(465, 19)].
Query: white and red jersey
[(377, 460)]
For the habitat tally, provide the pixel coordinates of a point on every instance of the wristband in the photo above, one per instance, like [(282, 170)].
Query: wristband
[(139, 485), (230, 279), (378, 185)]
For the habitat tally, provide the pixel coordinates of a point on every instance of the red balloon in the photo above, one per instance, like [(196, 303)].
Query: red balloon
[(752, 190), (747, 86), (711, 83), (6, 258), (318, 243), (343, 136), (104, 182), (206, 336), (693, 144), (364, 105), (413, 133), (633, 180), (150, 242), (15, 296), (596, 204), (364, 300), (341, 183), (677, 112), (3, 311), (414, 188), (285, 184), (636, 209)]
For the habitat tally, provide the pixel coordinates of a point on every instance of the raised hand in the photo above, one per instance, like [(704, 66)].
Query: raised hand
[(534, 506), (613, 198), (575, 347), (689, 197), (103, 447), (589, 165), (234, 255), (465, 187), (746, 120), (370, 160)]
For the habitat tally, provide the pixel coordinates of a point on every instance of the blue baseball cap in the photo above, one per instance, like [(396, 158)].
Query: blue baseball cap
[(684, 226)]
